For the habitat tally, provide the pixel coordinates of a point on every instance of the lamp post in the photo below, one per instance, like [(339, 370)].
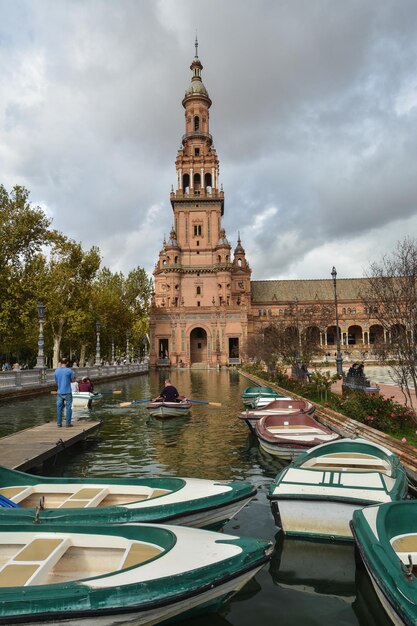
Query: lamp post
[(112, 350), (40, 359), (127, 346), (98, 329), (339, 358)]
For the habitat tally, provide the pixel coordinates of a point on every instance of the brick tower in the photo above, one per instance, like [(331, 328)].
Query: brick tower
[(200, 308)]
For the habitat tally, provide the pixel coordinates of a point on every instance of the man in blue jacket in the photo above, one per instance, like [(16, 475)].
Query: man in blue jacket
[(63, 378)]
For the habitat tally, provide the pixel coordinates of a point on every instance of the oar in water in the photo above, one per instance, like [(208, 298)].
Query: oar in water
[(133, 402)]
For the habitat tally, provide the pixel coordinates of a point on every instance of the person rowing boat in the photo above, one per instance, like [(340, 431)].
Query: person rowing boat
[(168, 394)]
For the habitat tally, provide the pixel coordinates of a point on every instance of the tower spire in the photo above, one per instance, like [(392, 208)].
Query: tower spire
[(196, 46)]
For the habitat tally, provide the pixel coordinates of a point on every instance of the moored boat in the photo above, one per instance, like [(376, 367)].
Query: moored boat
[(169, 409), (263, 400), (317, 494), (84, 399), (287, 436), (250, 394), (102, 575), (386, 537), (189, 501), (283, 406)]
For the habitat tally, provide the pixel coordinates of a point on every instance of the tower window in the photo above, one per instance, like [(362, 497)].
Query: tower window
[(196, 123), (196, 151), (198, 302), (197, 230), (198, 291)]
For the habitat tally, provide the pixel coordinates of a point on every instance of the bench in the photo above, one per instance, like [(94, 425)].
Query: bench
[(33, 561)]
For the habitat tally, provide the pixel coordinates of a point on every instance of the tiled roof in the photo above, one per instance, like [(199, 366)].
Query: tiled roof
[(271, 291)]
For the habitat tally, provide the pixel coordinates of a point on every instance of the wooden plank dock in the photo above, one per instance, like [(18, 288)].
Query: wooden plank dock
[(31, 447)]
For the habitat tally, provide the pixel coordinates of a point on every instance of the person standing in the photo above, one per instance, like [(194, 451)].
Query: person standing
[(63, 378)]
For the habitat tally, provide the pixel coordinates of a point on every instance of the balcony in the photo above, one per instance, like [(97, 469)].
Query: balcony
[(197, 134)]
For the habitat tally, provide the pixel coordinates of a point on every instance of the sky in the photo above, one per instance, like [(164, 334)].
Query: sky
[(314, 120)]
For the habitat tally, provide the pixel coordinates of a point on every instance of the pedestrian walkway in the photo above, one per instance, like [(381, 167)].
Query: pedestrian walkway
[(387, 391)]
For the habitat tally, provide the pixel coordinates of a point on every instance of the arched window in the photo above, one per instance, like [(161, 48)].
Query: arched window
[(197, 181), (198, 290), (196, 123), (186, 183)]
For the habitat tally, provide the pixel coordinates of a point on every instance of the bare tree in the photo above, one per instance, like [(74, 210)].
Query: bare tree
[(295, 339), (391, 301)]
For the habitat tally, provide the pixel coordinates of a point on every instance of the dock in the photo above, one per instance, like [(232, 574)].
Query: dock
[(31, 447)]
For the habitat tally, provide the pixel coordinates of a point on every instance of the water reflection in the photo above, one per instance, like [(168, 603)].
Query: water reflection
[(306, 583)]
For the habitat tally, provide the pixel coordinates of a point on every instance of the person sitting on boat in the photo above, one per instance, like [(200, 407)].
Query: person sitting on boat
[(86, 385), (169, 393)]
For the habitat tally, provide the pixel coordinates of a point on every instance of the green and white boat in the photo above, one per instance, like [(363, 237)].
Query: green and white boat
[(188, 501), (317, 494), (132, 574), (84, 399), (386, 537), (251, 395)]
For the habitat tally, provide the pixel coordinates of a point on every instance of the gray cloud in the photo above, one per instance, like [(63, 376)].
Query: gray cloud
[(314, 120)]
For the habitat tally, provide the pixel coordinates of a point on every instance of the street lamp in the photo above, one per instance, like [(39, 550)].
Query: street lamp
[(112, 351), (98, 329), (339, 358), (127, 346), (40, 359)]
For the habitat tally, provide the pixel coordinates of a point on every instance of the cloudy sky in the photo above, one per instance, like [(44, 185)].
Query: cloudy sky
[(314, 119)]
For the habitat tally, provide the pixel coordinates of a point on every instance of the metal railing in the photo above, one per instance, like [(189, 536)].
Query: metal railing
[(26, 379)]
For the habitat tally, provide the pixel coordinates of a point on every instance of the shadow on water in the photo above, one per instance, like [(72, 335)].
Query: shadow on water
[(306, 583)]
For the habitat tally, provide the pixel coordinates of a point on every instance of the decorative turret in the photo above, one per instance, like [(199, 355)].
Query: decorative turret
[(239, 260)]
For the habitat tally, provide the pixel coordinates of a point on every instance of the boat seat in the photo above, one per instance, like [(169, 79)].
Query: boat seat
[(158, 492), (33, 561), (291, 431), (407, 543), (14, 492), (139, 553), (348, 462), (85, 497)]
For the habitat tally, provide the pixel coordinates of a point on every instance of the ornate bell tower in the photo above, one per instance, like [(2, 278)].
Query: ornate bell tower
[(199, 313)]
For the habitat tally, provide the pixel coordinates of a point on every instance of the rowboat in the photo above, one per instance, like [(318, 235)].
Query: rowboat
[(189, 501), (386, 537), (287, 436), (84, 399), (169, 409), (132, 574), (262, 401), (283, 406), (317, 494), (251, 394)]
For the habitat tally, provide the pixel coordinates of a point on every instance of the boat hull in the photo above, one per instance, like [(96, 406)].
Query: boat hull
[(167, 580), (314, 518), (187, 501), (319, 492), (165, 410), (84, 399), (386, 537)]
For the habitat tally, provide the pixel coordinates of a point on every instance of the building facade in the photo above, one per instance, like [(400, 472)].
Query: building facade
[(205, 305)]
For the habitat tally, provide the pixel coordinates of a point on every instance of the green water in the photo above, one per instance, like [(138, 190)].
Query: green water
[(306, 583)]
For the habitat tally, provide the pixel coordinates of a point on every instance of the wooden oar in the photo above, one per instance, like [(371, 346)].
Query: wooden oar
[(117, 392), (204, 402), (133, 402)]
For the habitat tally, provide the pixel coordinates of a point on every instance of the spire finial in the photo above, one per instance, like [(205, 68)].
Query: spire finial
[(196, 46)]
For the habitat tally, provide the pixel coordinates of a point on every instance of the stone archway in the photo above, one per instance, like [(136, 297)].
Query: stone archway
[(198, 346)]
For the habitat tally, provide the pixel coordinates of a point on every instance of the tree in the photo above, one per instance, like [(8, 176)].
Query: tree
[(24, 231), (67, 287), (391, 301), (295, 339)]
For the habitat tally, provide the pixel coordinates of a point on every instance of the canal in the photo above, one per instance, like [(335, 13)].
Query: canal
[(306, 583)]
